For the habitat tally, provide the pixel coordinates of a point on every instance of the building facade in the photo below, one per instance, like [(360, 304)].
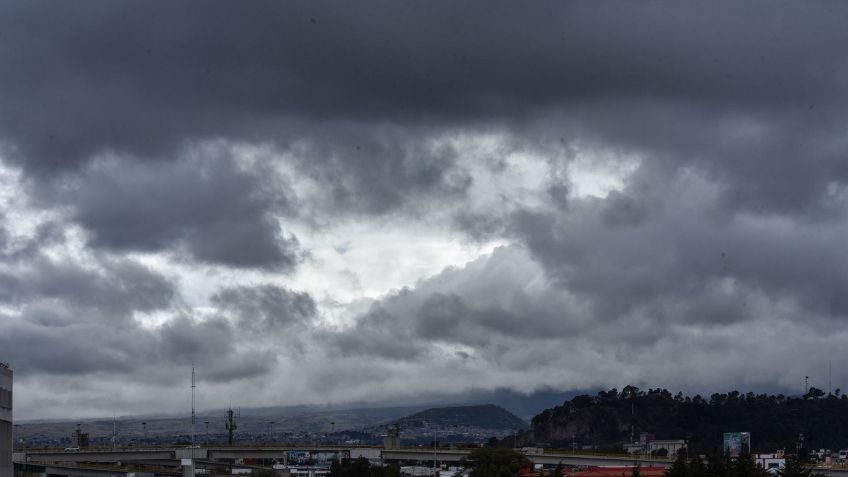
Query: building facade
[(6, 468)]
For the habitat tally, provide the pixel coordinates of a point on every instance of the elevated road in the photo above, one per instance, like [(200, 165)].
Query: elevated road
[(65, 462), (78, 471), (175, 454), (445, 455), (106, 456), (213, 454)]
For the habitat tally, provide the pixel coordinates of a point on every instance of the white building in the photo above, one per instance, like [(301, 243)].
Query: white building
[(771, 462), (670, 446), (6, 468), (648, 445)]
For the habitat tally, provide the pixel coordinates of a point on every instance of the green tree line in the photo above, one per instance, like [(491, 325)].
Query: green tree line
[(604, 421), (717, 465)]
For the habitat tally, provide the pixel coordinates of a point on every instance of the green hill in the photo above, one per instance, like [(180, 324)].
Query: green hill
[(487, 416), (775, 422)]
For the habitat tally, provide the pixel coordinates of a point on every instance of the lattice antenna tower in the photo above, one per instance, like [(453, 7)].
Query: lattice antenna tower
[(192, 404), (230, 425)]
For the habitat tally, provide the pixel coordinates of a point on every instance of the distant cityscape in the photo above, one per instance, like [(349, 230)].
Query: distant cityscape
[(583, 435)]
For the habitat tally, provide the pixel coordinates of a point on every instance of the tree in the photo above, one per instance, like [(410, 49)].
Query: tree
[(263, 473), (495, 462), (718, 465), (346, 468), (391, 470), (744, 466), (814, 393), (697, 468), (636, 471), (336, 469), (559, 470), (795, 468), (679, 468)]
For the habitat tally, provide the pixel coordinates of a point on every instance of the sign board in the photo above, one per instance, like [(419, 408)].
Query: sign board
[(735, 443)]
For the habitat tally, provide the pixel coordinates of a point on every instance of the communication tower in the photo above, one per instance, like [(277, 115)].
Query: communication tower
[(231, 426), (192, 405)]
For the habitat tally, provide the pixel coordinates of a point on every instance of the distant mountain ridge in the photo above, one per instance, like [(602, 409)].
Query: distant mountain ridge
[(523, 405), (486, 416)]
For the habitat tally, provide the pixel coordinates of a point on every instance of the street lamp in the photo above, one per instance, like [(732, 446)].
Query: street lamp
[(435, 443)]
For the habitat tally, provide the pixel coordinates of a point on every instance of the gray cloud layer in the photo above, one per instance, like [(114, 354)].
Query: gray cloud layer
[(725, 123), (208, 207)]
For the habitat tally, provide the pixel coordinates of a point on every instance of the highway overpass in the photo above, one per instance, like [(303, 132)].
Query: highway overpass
[(455, 455), (72, 463), (215, 454)]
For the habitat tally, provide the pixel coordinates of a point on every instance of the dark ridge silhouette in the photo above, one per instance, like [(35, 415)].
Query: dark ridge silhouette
[(604, 421)]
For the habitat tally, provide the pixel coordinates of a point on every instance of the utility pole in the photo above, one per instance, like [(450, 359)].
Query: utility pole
[(434, 452), (144, 427), (632, 423), (632, 417)]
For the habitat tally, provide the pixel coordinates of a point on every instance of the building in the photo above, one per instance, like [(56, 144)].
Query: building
[(6, 468), (649, 445), (773, 463), (80, 439), (392, 438), (666, 447)]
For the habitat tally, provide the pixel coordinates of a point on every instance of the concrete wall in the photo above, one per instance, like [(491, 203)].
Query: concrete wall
[(6, 468)]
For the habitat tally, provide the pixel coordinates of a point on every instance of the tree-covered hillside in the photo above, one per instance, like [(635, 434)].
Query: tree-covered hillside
[(487, 416), (775, 422)]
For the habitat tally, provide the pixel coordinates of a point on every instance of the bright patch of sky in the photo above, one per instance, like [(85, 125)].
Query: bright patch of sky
[(596, 173)]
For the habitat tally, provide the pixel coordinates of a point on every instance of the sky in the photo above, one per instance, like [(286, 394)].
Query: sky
[(330, 202)]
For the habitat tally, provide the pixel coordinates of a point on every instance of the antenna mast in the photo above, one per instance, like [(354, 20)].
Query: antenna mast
[(230, 425), (192, 404)]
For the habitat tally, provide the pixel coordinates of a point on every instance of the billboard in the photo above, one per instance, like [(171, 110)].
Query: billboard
[(736, 443)]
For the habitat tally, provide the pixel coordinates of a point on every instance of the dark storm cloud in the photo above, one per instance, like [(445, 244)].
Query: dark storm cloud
[(726, 238), (118, 286), (74, 319), (377, 169), (64, 305), (675, 80), (679, 248), (209, 208), (266, 308)]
